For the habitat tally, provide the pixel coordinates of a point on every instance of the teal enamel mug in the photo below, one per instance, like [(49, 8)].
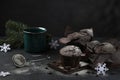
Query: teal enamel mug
[(36, 39)]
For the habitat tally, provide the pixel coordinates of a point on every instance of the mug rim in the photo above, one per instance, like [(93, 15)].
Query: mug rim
[(30, 28)]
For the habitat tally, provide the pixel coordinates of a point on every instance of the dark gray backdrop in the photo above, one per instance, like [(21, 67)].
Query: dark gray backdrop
[(55, 15)]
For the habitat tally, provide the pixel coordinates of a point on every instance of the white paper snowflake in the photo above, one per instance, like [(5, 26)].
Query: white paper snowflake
[(101, 69), (2, 73), (54, 44), (5, 47)]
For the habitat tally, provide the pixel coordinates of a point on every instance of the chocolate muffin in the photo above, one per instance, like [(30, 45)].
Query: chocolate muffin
[(70, 56)]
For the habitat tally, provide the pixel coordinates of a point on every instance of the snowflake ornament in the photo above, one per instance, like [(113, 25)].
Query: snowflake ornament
[(101, 69), (2, 73), (5, 47), (54, 44)]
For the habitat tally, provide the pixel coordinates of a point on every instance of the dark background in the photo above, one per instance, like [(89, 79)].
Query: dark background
[(55, 15)]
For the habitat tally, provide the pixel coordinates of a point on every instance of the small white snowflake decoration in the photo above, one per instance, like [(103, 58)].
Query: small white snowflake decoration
[(101, 69), (5, 47), (54, 44), (2, 73)]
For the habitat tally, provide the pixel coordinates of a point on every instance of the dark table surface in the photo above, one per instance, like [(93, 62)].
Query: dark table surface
[(39, 70)]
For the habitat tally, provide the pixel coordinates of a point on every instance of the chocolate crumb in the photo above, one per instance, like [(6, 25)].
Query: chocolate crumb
[(76, 74), (50, 73), (46, 68)]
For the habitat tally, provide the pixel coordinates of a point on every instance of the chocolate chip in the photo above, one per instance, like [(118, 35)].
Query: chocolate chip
[(76, 74), (50, 73), (46, 68)]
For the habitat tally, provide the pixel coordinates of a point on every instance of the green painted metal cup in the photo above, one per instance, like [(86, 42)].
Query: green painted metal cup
[(35, 39)]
